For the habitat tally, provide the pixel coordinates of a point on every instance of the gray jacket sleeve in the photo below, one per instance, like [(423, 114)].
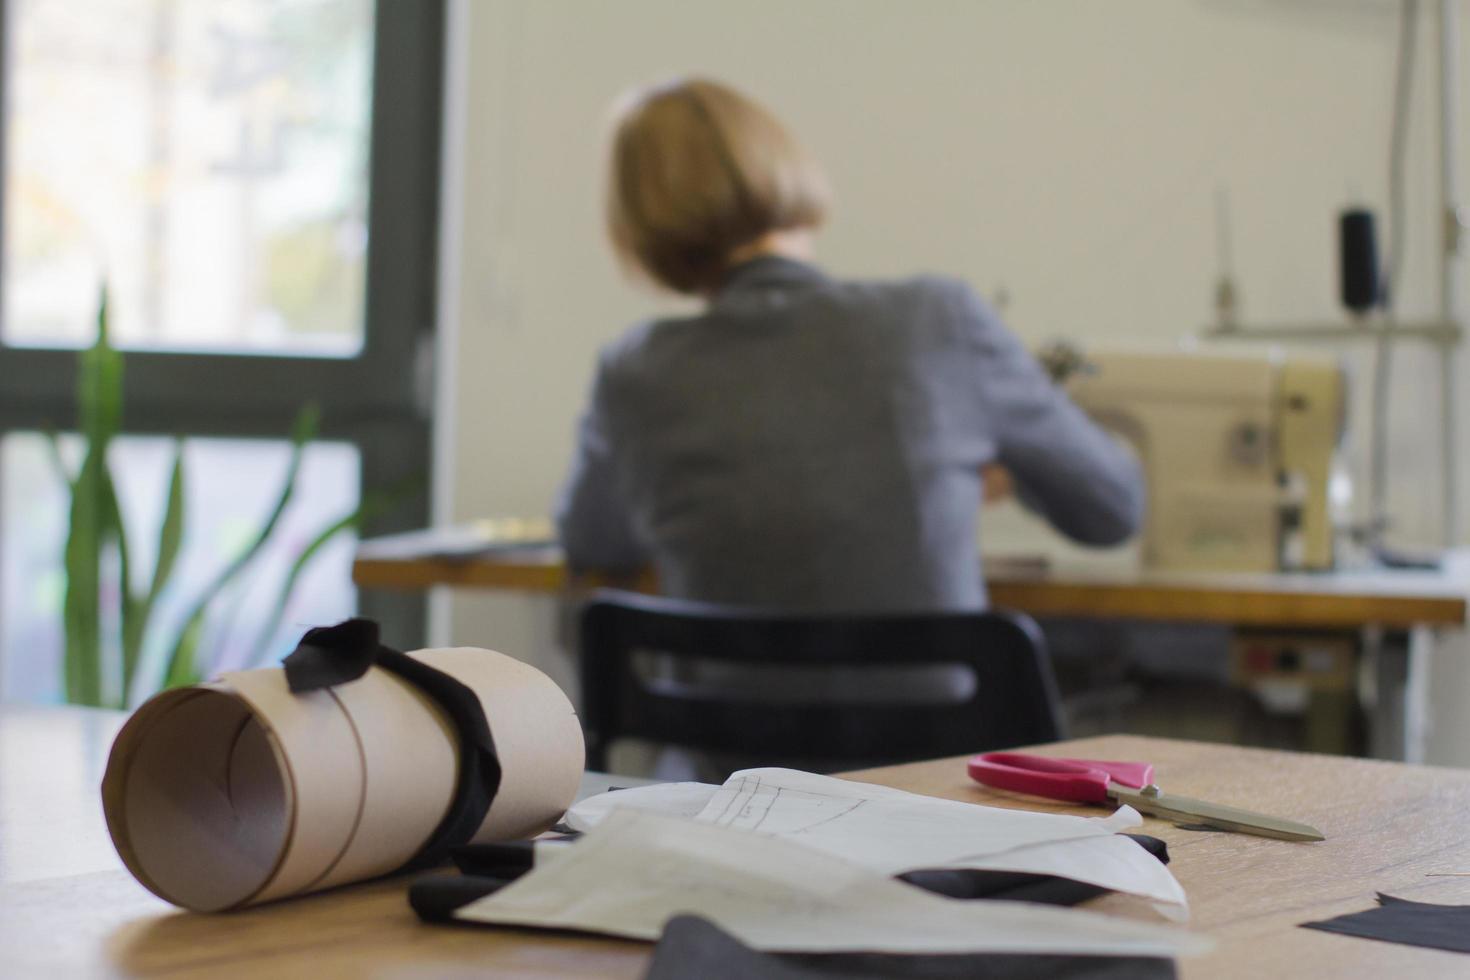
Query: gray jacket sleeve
[(592, 521), (1066, 468)]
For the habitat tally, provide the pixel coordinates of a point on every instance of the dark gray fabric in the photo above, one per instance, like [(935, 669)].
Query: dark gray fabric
[(1398, 920), (816, 445), (695, 947)]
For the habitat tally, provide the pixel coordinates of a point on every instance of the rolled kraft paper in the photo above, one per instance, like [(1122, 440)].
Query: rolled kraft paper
[(237, 791)]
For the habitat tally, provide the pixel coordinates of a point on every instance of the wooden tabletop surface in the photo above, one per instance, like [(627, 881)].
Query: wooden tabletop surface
[(68, 910), (1305, 600)]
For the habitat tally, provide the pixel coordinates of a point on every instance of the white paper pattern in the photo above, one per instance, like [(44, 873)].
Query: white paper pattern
[(636, 870), (885, 828), (670, 799), (892, 831)]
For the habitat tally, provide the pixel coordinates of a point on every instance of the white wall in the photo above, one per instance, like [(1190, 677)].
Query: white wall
[(1065, 151)]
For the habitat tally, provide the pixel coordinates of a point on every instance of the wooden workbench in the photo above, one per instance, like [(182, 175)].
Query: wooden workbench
[(68, 910), (1336, 600), (1394, 616)]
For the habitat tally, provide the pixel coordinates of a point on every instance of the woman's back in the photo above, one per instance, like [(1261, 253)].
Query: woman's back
[(815, 444)]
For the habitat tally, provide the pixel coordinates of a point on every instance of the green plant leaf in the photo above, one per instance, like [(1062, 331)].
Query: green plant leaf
[(130, 605), (100, 386), (58, 461), (308, 422), (171, 531), (283, 597), (92, 515), (372, 505), (170, 537), (182, 666), (82, 558)]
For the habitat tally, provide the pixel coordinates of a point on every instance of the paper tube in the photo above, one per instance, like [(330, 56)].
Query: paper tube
[(238, 791)]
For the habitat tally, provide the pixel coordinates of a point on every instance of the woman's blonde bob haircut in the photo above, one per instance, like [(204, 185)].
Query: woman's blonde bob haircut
[(697, 171)]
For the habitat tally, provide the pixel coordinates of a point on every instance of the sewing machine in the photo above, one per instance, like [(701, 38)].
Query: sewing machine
[(1239, 453)]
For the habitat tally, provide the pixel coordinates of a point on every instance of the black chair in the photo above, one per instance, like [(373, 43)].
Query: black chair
[(1013, 702)]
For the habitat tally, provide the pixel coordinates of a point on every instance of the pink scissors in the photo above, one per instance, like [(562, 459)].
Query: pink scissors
[(1094, 781)]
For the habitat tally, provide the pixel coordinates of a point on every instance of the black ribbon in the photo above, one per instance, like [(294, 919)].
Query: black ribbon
[(331, 655)]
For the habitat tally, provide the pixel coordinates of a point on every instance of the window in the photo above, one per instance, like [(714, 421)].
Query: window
[(210, 157), (230, 482), (258, 182)]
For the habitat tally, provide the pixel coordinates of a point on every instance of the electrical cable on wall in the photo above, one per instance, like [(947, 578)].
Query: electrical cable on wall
[(1383, 355)]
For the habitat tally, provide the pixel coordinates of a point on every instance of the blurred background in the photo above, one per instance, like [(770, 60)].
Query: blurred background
[(213, 163), (391, 211)]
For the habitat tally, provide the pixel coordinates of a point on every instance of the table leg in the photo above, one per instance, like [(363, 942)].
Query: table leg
[(1330, 721), (1395, 691)]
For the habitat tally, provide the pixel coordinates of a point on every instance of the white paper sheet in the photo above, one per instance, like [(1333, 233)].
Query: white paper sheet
[(892, 831), (636, 870), (670, 799)]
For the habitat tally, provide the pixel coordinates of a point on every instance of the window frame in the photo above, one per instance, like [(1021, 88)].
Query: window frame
[(379, 399)]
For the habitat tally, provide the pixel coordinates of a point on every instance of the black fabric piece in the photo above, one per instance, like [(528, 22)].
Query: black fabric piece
[(328, 656), (509, 859), (968, 883), (1153, 845), (694, 947), (1398, 920), (436, 897), (1016, 886)]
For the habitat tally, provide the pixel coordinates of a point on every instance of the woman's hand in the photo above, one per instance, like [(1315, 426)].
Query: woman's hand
[(997, 483)]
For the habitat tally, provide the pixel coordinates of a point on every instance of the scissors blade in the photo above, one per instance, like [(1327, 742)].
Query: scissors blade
[(1183, 809)]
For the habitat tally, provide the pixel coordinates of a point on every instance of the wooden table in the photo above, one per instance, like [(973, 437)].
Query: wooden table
[(68, 910), (1337, 600), (1393, 616)]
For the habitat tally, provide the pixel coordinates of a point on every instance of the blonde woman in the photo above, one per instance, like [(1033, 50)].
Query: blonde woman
[(805, 442)]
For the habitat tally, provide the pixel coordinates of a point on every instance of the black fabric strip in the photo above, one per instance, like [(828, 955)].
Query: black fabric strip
[(328, 656), (437, 897), (1011, 886), (1017, 886), (695, 947), (501, 859)]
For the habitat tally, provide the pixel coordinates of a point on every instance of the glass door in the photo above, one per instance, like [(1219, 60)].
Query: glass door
[(256, 181)]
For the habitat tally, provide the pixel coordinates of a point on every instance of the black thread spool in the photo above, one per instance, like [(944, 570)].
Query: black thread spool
[(1362, 283)]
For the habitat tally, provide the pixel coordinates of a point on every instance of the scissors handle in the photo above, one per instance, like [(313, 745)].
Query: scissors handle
[(1073, 780)]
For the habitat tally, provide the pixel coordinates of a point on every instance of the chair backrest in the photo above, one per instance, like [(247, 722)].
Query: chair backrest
[(1013, 700)]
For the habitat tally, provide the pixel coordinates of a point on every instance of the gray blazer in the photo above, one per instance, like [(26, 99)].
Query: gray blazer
[(816, 445)]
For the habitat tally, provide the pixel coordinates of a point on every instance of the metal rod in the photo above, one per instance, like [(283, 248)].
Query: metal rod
[(1449, 298)]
